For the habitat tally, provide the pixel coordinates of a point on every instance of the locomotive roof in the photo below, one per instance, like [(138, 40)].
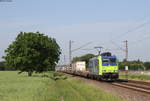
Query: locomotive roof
[(106, 57)]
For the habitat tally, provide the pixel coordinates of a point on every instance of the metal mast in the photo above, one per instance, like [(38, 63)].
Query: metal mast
[(99, 48)]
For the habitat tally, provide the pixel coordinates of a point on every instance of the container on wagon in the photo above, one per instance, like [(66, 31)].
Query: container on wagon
[(79, 66)]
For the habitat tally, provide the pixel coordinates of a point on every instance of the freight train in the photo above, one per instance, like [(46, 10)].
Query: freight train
[(102, 67)]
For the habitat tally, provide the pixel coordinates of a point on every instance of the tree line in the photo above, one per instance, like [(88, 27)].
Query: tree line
[(135, 65)]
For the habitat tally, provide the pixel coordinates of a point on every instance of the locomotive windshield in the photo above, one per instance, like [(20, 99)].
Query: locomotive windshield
[(105, 60), (112, 60), (108, 60)]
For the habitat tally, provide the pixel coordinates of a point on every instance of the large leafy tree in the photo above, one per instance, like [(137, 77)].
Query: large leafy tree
[(33, 52)]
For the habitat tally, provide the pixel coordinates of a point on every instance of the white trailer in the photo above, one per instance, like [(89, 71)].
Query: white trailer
[(79, 66)]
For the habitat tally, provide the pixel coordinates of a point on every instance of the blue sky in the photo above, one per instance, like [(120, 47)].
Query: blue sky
[(98, 21)]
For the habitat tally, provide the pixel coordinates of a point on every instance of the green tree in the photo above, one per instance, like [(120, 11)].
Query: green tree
[(147, 65), (33, 52), (133, 65), (2, 65)]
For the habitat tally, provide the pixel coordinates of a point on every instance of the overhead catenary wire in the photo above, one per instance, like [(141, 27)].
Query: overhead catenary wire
[(129, 31), (88, 49), (121, 35), (133, 29), (81, 47), (105, 49), (120, 48), (140, 40)]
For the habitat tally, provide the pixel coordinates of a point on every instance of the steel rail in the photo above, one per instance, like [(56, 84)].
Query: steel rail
[(133, 87)]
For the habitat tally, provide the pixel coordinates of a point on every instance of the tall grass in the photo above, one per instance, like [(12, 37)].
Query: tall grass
[(136, 77), (48, 87)]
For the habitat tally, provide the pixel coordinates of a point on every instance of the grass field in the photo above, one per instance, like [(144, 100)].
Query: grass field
[(14, 87), (136, 77)]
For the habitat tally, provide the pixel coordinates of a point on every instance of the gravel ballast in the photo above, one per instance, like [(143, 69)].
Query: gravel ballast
[(124, 93)]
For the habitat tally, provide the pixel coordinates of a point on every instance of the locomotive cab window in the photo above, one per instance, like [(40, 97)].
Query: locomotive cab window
[(109, 60), (105, 60), (112, 60), (96, 63)]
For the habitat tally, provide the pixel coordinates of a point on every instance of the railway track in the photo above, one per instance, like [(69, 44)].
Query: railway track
[(139, 82), (139, 86), (134, 85)]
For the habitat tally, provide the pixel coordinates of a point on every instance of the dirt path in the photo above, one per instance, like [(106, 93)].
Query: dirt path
[(128, 95)]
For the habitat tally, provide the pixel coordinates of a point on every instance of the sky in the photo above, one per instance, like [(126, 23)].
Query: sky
[(106, 23)]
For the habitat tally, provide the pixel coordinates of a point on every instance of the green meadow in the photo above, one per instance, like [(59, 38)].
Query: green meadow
[(136, 77), (48, 87)]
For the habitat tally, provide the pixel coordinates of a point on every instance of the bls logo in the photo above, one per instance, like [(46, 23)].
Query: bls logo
[(5, 0)]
